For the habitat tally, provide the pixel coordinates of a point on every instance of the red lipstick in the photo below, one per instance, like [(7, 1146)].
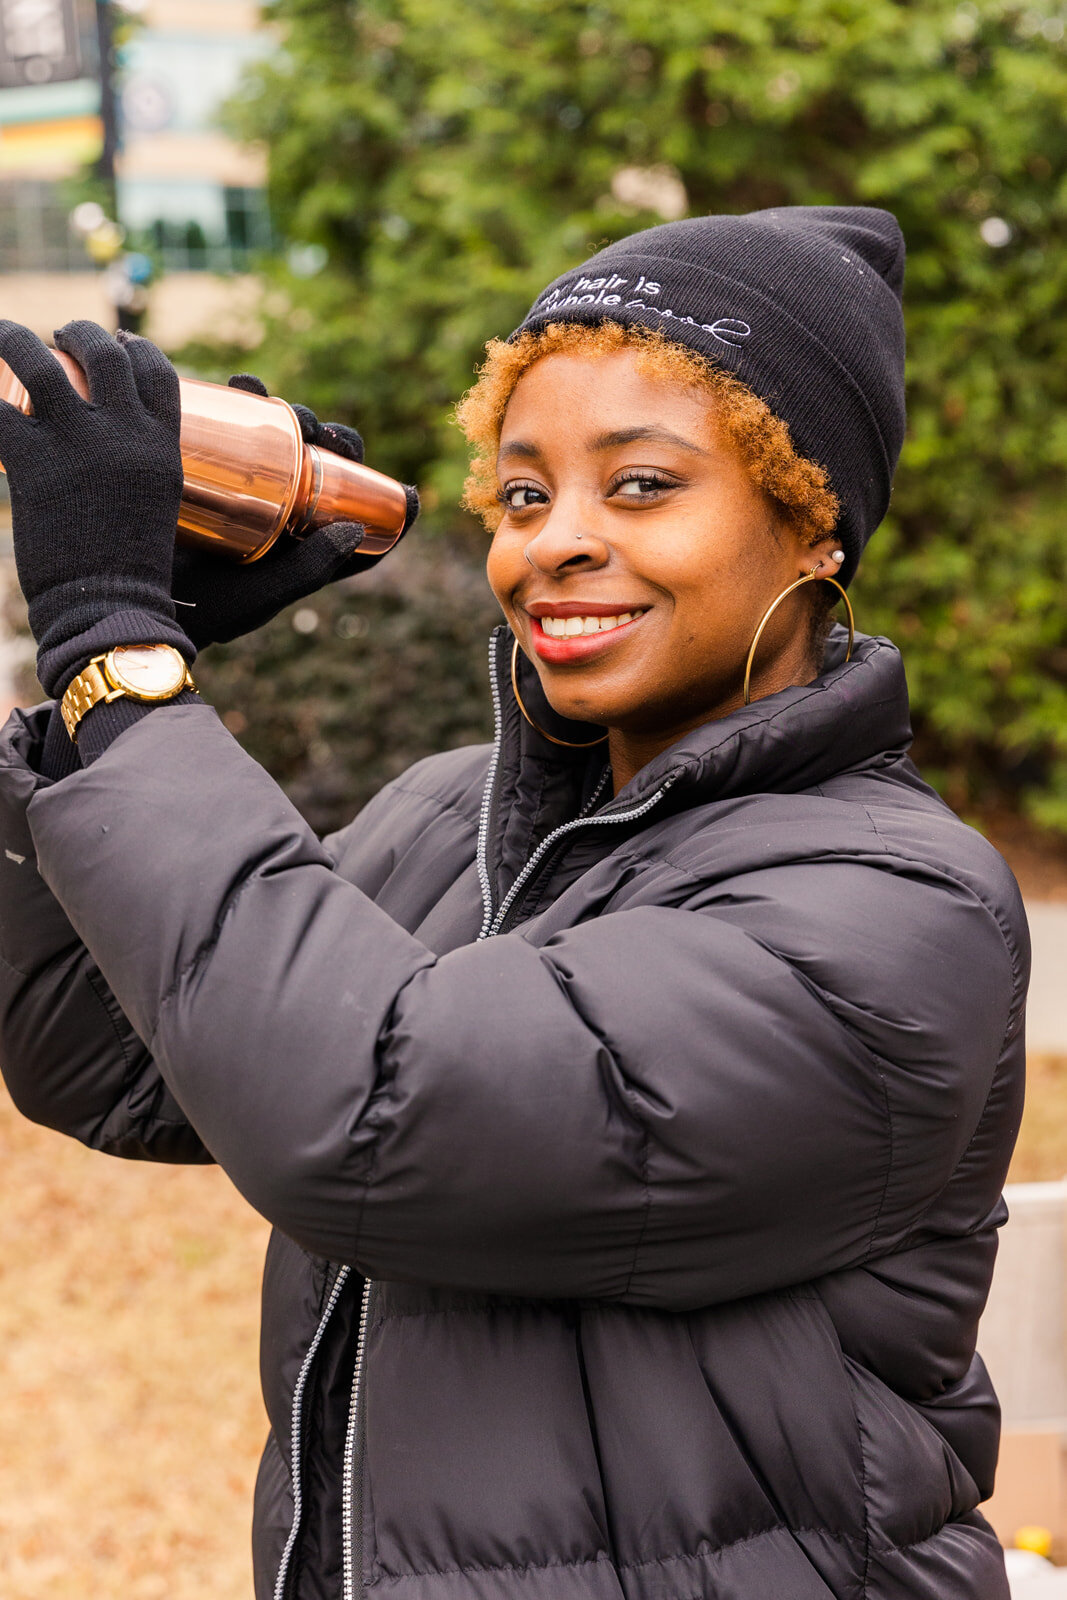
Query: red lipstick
[(579, 646)]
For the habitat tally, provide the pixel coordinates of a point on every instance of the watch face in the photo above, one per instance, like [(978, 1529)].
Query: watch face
[(149, 670)]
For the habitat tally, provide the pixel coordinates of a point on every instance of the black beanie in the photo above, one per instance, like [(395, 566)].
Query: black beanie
[(802, 303)]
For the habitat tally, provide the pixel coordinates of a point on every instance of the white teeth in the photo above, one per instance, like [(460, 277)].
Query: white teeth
[(571, 627)]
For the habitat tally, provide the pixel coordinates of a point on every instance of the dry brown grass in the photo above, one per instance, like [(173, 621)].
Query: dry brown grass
[(1041, 1153), (131, 1419)]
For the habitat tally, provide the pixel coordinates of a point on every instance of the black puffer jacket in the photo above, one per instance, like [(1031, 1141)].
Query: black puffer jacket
[(679, 1190)]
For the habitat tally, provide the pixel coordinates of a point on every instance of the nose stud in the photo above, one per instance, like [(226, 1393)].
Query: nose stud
[(526, 552)]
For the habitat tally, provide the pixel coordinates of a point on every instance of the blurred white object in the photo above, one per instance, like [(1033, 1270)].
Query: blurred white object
[(996, 232), (659, 189), (1023, 1338), (1048, 1585), (1026, 1564), (1052, 1587), (87, 217), (1031, 1577), (1046, 1009)]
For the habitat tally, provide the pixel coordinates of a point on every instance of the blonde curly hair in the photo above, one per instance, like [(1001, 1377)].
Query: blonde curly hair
[(799, 488)]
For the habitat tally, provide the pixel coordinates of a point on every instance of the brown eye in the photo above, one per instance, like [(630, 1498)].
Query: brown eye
[(520, 496), (639, 486), (642, 485)]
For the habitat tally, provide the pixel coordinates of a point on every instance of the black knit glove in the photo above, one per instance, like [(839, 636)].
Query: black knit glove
[(218, 601), (95, 487)]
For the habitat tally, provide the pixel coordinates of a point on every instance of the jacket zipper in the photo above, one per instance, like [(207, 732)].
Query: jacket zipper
[(493, 924), (351, 1500), (353, 1587), (297, 1434), (487, 794), (497, 924)]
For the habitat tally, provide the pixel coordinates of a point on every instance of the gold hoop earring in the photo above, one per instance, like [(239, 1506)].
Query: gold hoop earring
[(809, 577), (568, 744)]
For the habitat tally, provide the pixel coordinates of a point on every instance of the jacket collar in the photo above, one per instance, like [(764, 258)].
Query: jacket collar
[(853, 714)]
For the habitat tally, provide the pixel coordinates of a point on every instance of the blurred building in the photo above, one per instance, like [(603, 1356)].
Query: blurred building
[(189, 197)]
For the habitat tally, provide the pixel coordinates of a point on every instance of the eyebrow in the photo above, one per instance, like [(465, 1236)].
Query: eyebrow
[(526, 451), (650, 435), (518, 447)]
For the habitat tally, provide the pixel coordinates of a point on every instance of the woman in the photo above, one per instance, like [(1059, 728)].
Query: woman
[(632, 1101)]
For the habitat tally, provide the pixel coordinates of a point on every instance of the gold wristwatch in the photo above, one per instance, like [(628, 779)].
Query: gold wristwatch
[(147, 672)]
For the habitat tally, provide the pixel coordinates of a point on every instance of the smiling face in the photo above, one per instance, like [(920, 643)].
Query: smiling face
[(635, 555)]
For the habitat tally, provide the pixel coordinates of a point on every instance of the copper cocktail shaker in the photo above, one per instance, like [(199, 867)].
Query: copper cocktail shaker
[(249, 476)]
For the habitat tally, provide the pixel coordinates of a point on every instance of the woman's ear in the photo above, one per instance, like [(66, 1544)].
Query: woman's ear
[(827, 555)]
